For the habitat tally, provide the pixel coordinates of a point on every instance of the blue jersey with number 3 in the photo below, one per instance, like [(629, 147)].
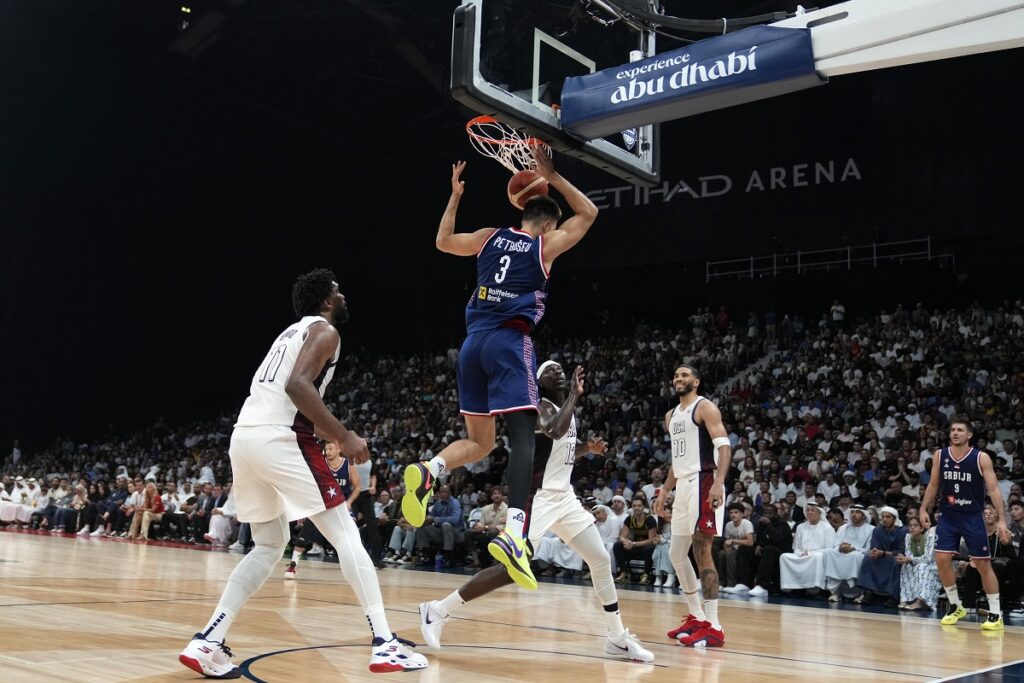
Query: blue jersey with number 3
[(511, 282)]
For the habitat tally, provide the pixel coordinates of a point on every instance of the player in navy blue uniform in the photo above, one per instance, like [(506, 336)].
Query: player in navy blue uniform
[(496, 373), (961, 475)]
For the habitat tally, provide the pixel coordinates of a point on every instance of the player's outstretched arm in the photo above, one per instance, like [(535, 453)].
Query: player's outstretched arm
[(316, 352), (463, 244), (571, 231), (555, 423)]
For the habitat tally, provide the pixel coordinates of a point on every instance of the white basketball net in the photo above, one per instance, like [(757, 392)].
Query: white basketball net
[(503, 143)]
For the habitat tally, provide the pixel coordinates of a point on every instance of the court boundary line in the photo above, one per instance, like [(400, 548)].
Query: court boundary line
[(977, 671), (647, 596), (245, 666), (533, 627)]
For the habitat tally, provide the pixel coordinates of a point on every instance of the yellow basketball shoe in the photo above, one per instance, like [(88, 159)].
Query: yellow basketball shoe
[(954, 614), (515, 555), (419, 487), (993, 623)]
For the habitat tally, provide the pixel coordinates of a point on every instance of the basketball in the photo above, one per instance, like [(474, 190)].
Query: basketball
[(524, 185)]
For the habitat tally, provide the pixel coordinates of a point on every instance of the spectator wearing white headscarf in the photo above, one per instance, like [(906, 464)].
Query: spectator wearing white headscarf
[(844, 559), (805, 566), (880, 573)]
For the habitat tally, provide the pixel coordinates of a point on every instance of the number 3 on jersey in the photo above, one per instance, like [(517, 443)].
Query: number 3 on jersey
[(505, 262)]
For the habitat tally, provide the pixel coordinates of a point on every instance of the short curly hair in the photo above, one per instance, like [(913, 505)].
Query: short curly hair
[(310, 290)]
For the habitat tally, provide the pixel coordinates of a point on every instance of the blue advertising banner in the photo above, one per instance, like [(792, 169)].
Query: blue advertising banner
[(749, 65)]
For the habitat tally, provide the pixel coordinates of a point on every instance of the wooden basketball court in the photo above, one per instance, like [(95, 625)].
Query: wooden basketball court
[(104, 610)]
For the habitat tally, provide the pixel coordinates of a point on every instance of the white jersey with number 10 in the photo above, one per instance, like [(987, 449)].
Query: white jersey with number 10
[(692, 450)]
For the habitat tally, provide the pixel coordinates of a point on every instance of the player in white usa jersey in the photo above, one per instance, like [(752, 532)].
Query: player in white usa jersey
[(280, 474), (555, 508), (701, 456)]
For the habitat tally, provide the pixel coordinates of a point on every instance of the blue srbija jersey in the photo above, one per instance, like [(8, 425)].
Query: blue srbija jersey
[(511, 282), (962, 487)]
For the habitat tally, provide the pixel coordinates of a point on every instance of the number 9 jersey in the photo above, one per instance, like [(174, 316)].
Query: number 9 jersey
[(511, 282), (268, 404)]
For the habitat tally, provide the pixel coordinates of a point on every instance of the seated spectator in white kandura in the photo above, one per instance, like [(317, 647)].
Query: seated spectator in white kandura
[(619, 509), (919, 578), (805, 566), (609, 526), (844, 558), (222, 521), (556, 553), (22, 504)]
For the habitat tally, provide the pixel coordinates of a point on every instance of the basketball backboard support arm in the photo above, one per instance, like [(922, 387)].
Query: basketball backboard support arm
[(472, 90), (861, 35)]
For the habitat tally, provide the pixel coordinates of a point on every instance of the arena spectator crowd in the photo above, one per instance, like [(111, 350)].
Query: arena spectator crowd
[(832, 444)]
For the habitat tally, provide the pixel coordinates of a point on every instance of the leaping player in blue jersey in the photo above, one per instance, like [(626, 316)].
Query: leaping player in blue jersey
[(497, 368), (961, 475)]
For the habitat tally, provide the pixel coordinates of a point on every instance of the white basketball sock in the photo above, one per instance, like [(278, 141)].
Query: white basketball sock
[(693, 603), (296, 555), (437, 466), (453, 602), (514, 522), (217, 628), (711, 609), (952, 594), (993, 604)]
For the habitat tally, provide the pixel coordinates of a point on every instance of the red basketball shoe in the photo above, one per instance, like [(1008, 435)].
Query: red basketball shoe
[(690, 625), (705, 637)]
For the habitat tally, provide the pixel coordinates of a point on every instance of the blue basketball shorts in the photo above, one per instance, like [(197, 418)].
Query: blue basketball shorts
[(970, 526), (497, 372)]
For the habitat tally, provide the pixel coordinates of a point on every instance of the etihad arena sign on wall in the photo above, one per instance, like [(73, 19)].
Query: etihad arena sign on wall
[(775, 178)]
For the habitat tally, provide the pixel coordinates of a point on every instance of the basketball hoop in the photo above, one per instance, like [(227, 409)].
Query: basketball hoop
[(503, 143)]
